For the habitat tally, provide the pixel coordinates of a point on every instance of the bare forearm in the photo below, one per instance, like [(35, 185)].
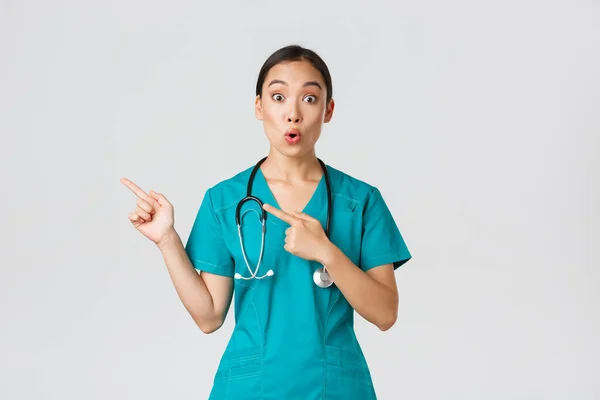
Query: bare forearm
[(373, 300), (190, 287)]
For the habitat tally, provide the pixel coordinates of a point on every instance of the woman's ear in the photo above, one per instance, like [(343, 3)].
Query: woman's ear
[(258, 107), (329, 111)]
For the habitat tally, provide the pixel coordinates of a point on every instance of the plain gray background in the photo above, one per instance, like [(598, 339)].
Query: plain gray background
[(478, 121)]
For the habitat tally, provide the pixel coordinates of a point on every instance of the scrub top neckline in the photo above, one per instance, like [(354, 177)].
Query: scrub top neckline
[(307, 207)]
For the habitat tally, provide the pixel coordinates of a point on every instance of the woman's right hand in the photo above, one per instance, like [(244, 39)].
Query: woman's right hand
[(153, 216)]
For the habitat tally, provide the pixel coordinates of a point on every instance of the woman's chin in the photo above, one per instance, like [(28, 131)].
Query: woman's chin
[(295, 151)]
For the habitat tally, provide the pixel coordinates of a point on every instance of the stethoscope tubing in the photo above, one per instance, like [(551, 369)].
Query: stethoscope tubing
[(320, 272)]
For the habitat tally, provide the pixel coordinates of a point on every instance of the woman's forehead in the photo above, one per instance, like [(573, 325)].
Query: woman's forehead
[(294, 73)]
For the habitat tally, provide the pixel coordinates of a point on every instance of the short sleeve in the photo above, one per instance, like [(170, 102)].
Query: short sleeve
[(382, 242), (205, 246)]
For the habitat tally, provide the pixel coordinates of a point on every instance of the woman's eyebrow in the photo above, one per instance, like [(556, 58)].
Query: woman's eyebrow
[(310, 83)]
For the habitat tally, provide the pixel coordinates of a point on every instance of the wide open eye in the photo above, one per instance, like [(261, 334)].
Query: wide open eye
[(277, 97), (310, 99)]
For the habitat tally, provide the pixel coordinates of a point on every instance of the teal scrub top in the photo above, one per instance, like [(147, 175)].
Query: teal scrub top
[(292, 339)]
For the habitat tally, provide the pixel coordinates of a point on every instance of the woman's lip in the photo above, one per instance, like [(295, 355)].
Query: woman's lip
[(293, 132), (292, 139)]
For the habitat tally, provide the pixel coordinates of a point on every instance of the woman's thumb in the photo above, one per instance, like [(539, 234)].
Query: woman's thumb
[(158, 197)]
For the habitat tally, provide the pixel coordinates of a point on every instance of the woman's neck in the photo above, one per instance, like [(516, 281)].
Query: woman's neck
[(281, 167)]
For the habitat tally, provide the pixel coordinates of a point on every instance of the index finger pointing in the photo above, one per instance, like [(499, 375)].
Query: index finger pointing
[(282, 215), (136, 190)]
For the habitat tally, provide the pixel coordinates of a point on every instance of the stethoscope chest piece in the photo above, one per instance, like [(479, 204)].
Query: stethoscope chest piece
[(321, 278)]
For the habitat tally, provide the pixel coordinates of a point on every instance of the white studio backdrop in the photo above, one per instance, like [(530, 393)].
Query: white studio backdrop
[(478, 121)]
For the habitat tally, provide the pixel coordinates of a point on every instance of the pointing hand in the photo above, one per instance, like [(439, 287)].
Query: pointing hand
[(153, 216), (305, 237)]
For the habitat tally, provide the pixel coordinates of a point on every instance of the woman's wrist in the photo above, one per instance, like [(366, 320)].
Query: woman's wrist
[(168, 239), (327, 254)]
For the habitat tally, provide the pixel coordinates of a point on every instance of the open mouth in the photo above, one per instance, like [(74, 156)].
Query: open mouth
[(293, 136)]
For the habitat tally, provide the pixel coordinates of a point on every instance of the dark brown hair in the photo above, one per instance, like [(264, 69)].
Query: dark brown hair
[(295, 53)]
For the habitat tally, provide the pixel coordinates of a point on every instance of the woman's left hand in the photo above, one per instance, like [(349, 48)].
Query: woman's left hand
[(305, 237)]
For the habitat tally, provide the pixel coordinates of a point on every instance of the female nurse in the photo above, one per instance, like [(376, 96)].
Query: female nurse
[(293, 339)]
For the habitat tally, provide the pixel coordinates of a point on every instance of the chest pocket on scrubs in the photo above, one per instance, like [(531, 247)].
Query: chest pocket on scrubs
[(346, 226)]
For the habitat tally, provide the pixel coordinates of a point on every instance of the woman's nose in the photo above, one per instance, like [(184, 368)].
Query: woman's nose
[(294, 113)]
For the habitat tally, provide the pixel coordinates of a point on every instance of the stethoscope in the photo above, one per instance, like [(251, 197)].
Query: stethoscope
[(320, 276)]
